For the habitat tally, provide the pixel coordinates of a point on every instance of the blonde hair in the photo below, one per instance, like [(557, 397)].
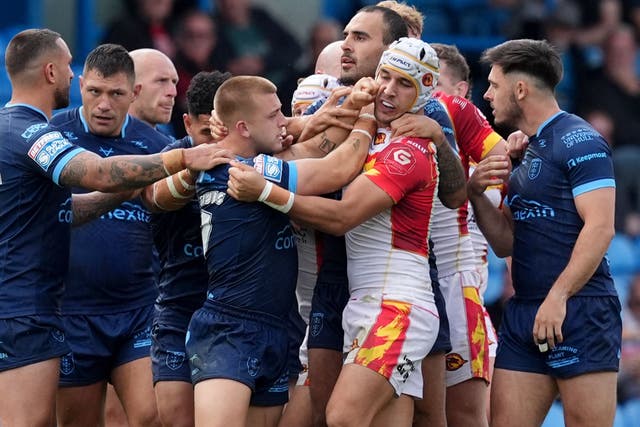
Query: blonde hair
[(235, 96), (411, 16)]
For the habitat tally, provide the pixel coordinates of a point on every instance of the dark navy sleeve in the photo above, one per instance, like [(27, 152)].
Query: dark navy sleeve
[(436, 111)]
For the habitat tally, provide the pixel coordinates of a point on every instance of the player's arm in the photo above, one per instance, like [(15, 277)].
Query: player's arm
[(170, 193), (363, 93), (89, 206), (361, 200), (341, 166), (452, 190), (119, 173), (495, 223)]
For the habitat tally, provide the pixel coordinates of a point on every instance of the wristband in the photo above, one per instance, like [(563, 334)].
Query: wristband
[(283, 208), (274, 196), (183, 182), (362, 131), (174, 191), (173, 161)]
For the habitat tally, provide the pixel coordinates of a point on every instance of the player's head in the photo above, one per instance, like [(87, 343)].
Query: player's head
[(157, 77), (454, 71), (311, 89), (411, 16), (249, 107), (32, 54), (202, 89), (520, 70), (366, 36), (328, 61), (408, 67), (107, 89)]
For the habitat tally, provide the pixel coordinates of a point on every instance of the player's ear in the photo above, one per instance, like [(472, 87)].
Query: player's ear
[(243, 128), (521, 90)]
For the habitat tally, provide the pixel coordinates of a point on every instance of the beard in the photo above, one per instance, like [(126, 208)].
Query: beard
[(512, 115), (61, 98)]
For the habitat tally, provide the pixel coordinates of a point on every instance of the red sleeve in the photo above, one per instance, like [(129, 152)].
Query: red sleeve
[(405, 165)]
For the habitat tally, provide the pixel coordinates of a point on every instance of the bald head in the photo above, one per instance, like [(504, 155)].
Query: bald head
[(329, 59), (157, 77)]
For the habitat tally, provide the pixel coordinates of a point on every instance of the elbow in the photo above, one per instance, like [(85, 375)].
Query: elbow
[(501, 252), (453, 200)]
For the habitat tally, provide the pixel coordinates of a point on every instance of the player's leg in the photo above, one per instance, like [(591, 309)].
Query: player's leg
[(520, 398), (430, 410), (221, 402), (30, 350), (297, 413), (31, 400), (132, 375), (114, 414), (398, 412), (134, 385), (324, 368), (81, 405), (171, 372), (589, 400)]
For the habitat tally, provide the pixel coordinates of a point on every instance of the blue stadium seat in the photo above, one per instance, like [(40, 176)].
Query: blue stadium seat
[(631, 411), (621, 418)]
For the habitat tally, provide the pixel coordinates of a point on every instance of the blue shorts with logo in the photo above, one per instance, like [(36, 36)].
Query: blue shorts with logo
[(168, 352), (592, 332), (31, 339), (443, 340), (100, 343), (325, 319), (247, 347)]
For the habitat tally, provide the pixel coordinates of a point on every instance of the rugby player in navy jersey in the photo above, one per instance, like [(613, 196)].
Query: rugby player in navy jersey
[(561, 331), (37, 163), (237, 342), (110, 288), (183, 278)]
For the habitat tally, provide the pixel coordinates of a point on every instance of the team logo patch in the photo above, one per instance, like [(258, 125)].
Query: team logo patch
[(400, 161), (175, 360), (534, 168), (67, 364), (47, 148), (380, 138), (454, 361), (33, 129), (57, 335), (316, 324), (273, 169), (253, 366)]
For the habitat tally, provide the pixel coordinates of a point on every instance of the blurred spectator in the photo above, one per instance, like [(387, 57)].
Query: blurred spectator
[(629, 376), (145, 23), (251, 42), (323, 33), (614, 91), (195, 38)]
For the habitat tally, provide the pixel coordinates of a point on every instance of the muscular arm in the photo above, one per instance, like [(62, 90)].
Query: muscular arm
[(89, 206), (452, 190), (341, 166), (120, 173), (495, 223), (361, 200)]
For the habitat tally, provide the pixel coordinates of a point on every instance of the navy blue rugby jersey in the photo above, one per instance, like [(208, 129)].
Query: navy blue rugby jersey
[(565, 158), (110, 265), (183, 278), (249, 247), (34, 233)]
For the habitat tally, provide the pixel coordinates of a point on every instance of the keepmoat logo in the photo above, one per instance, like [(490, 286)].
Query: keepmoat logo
[(572, 163)]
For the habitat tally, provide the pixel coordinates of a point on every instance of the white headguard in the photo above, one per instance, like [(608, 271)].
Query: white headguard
[(417, 61), (313, 88)]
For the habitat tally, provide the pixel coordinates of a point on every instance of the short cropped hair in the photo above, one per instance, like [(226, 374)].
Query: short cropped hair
[(27, 47), (110, 59), (535, 58), (394, 25), (237, 95), (412, 17), (202, 88), (456, 62)]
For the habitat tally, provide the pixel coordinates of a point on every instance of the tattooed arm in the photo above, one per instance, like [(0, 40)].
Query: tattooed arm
[(89, 206), (452, 189), (120, 173)]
